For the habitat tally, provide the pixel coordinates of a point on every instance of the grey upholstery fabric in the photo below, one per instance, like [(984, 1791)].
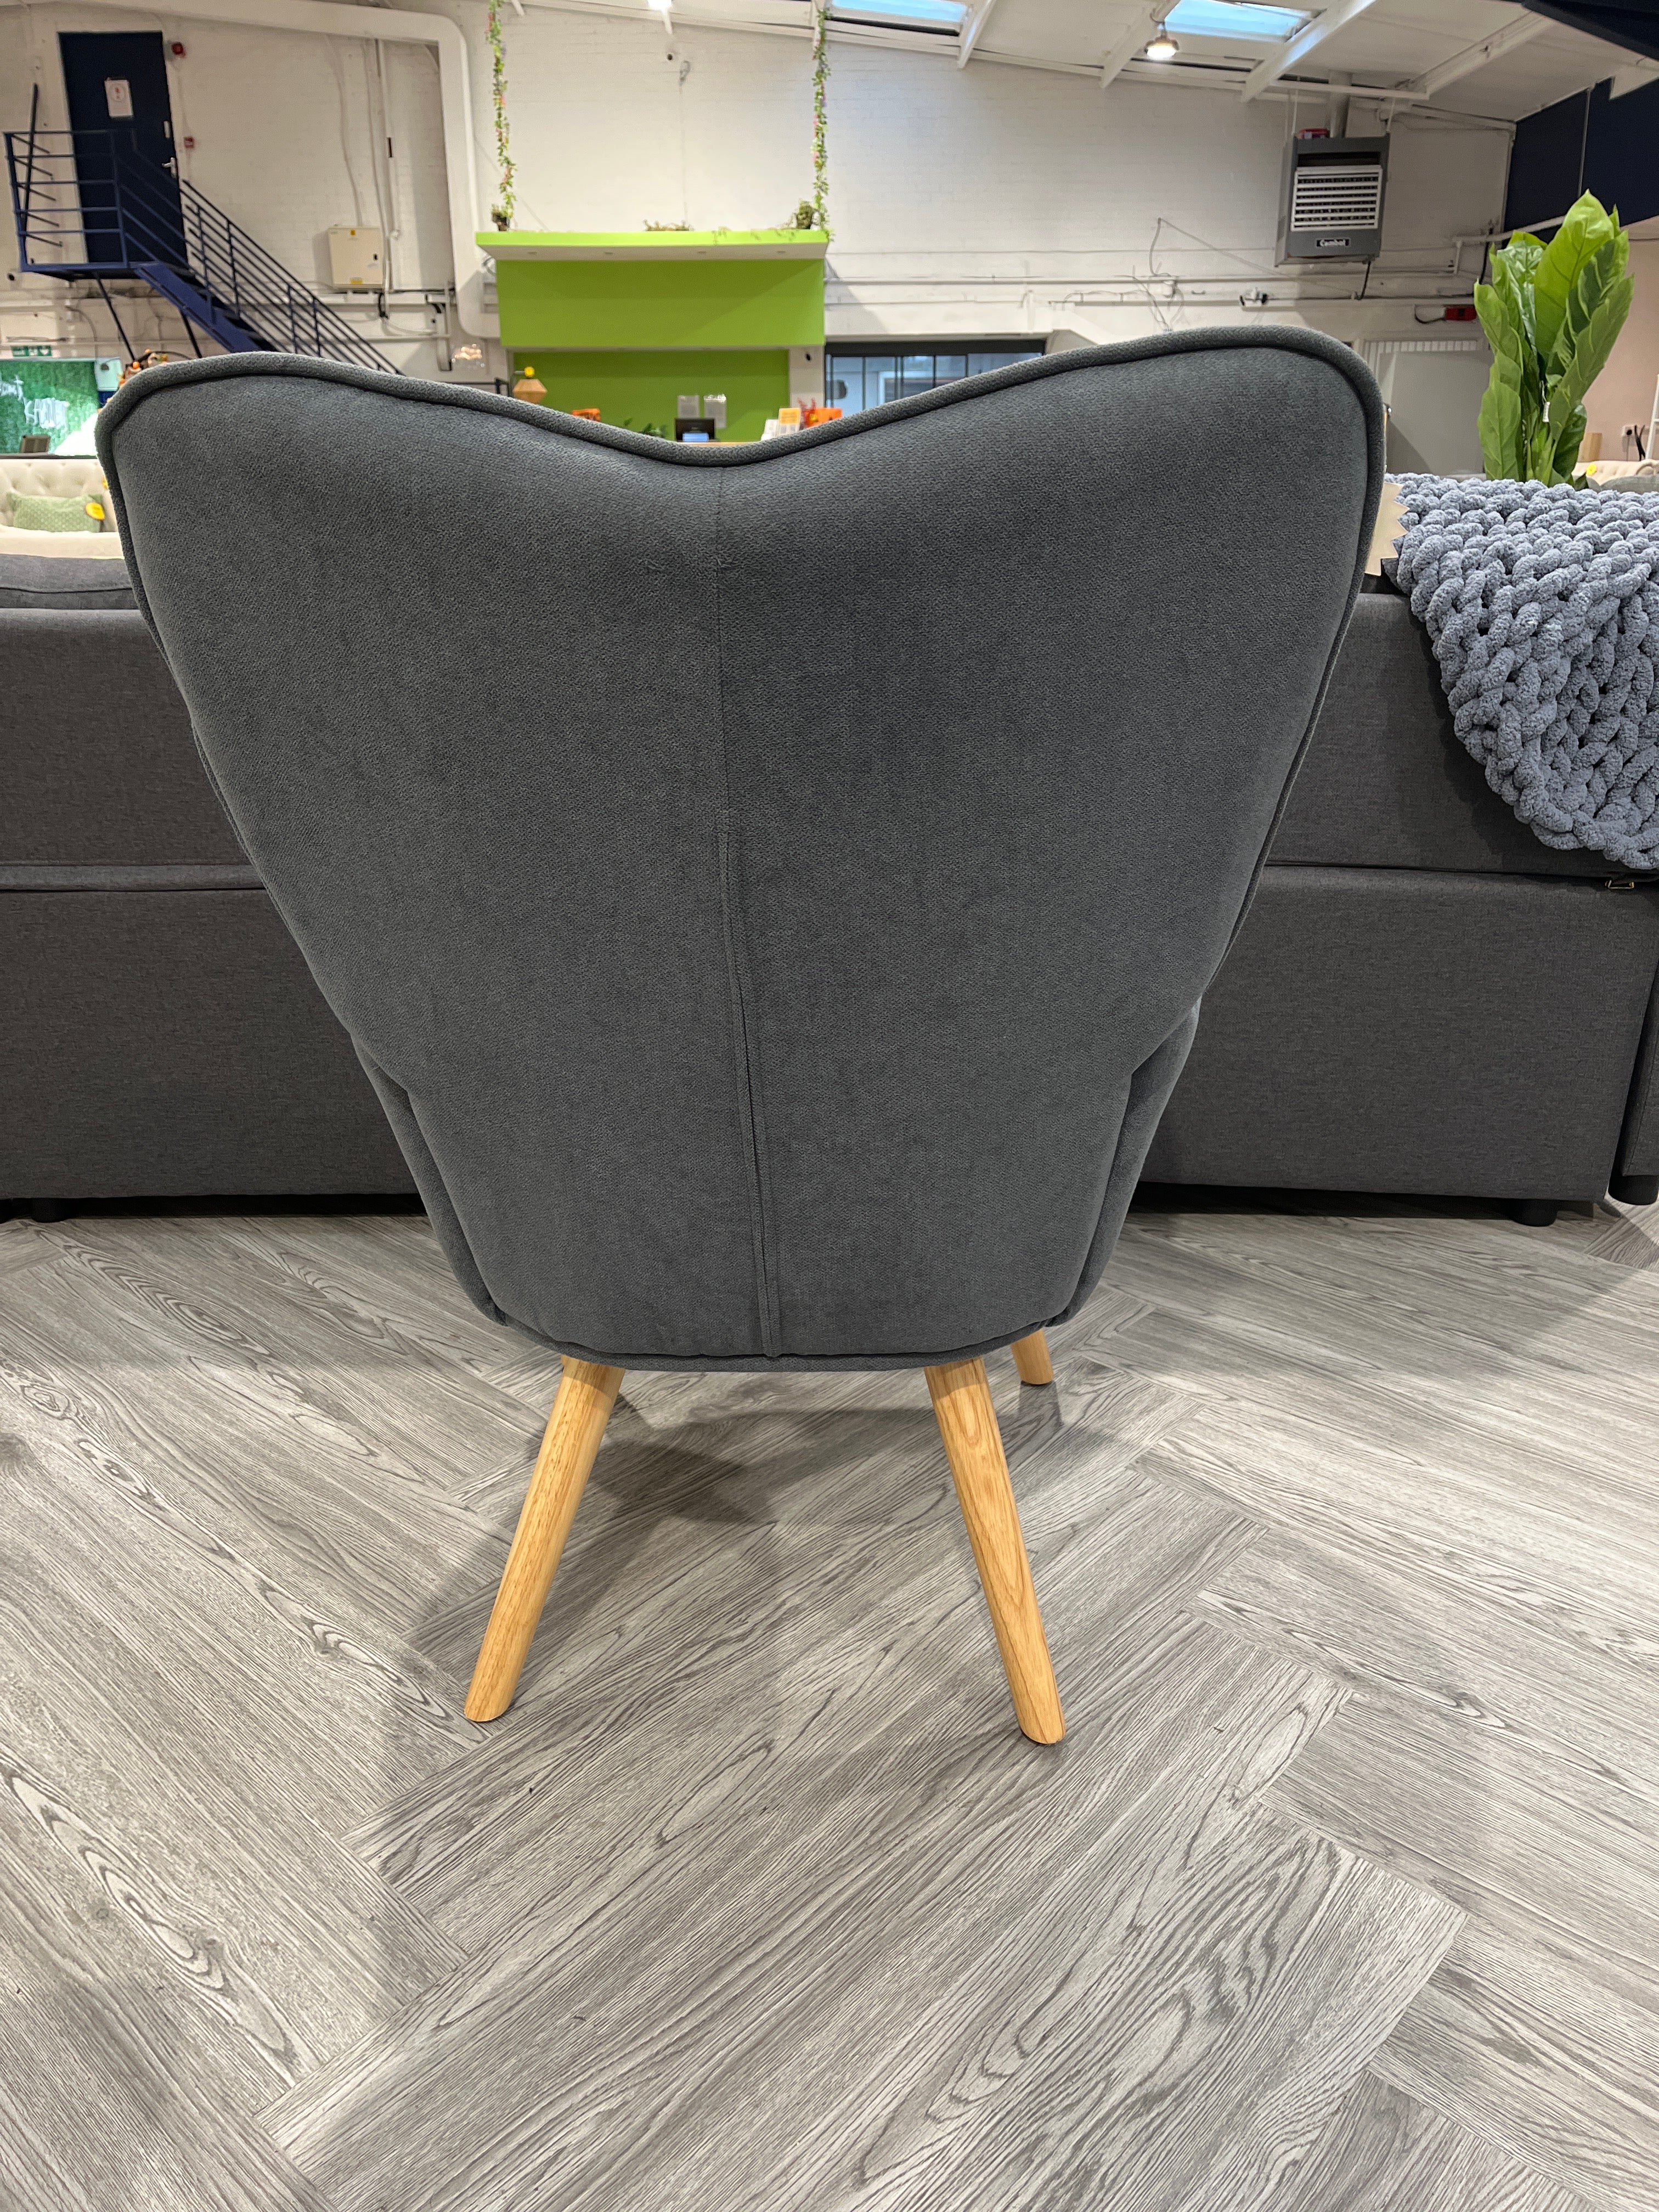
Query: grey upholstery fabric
[(52, 580), (97, 763), (1386, 782), (1392, 1029), (772, 884), (166, 1041), (1638, 1145)]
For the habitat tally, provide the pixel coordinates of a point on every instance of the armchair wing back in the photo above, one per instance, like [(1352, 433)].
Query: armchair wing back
[(771, 886)]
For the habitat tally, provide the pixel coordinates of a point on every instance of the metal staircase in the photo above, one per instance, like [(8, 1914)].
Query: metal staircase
[(84, 208)]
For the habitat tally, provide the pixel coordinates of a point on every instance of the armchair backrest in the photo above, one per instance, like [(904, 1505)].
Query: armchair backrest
[(771, 885)]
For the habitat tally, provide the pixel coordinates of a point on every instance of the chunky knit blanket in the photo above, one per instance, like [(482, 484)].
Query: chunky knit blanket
[(1542, 607)]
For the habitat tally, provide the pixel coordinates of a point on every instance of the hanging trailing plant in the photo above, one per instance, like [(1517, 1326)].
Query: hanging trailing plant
[(501, 214), (820, 139)]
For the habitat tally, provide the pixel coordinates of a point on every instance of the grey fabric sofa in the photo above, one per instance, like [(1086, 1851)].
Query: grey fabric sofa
[(1423, 999), (164, 1037)]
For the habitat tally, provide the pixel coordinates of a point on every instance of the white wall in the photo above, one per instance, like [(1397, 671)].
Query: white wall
[(991, 200), (1624, 392), (287, 130)]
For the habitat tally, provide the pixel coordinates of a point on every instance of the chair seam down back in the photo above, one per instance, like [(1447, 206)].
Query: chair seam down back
[(731, 924)]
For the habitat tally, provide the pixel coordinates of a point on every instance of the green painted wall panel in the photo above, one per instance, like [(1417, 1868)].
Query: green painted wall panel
[(604, 306), (634, 388)]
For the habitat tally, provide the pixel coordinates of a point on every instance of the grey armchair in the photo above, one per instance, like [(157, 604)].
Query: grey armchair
[(770, 887)]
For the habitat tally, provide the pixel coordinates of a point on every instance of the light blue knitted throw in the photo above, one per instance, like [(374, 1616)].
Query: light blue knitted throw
[(1542, 606)]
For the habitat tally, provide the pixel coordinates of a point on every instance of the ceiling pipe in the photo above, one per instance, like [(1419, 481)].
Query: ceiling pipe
[(329, 19)]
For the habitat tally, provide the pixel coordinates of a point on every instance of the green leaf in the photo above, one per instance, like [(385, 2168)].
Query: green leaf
[(1595, 343), (1587, 227), (1512, 271), (1563, 448), (1501, 320), (1500, 428)]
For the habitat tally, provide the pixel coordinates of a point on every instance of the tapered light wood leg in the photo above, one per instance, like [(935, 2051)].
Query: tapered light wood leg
[(586, 1393), (1031, 1357), (973, 1444)]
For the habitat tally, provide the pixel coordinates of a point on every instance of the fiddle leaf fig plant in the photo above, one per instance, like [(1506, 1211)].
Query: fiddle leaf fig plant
[(1550, 314)]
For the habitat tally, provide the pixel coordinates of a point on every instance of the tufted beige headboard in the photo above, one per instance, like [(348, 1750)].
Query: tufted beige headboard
[(59, 476)]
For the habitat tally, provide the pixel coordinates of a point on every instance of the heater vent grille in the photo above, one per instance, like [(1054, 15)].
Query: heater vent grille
[(1337, 198)]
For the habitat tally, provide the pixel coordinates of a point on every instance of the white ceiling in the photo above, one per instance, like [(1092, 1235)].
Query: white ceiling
[(1389, 46)]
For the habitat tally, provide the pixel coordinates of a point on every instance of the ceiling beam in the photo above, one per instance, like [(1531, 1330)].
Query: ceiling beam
[(969, 34), (1526, 25), (1133, 41), (1298, 49)]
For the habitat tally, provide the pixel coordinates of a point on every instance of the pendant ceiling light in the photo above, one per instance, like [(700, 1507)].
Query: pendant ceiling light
[(1162, 47)]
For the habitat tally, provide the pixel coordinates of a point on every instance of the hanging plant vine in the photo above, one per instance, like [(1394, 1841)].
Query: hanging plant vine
[(501, 214), (820, 138)]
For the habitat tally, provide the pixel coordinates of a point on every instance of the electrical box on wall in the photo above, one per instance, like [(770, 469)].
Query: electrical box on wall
[(356, 260), (1331, 206)]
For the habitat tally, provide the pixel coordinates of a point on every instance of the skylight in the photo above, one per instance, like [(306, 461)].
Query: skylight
[(1233, 19), (945, 14)]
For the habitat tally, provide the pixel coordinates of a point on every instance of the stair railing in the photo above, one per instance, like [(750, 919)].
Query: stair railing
[(58, 216)]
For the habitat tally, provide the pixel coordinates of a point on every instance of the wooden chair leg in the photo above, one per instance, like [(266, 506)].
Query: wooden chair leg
[(574, 1429), (972, 1444), (1031, 1357)]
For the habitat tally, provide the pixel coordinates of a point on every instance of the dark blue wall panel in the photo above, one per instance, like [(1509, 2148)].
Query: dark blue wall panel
[(1587, 142), (1621, 151), (1547, 166), (1631, 23)]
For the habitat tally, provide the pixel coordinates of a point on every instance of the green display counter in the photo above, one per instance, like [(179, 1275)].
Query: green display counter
[(626, 321)]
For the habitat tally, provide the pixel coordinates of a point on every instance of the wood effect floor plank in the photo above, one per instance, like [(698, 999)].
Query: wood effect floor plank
[(1290, 1451), (116, 2098), (1545, 2053), (1383, 2151), (1409, 1265), (1430, 1404), (1521, 1842), (784, 1623), (421, 1419), (872, 1867), (1487, 1667), (1477, 1511), (292, 1498), (1248, 1322), (107, 1756), (261, 1663)]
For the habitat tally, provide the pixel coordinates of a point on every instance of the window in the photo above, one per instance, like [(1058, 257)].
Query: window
[(857, 376), (922, 15), (1233, 19)]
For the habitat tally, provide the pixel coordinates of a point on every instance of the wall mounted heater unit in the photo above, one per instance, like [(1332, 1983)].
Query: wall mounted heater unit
[(1331, 208)]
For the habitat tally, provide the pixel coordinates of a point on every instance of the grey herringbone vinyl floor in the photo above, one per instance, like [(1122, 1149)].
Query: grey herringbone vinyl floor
[(1342, 1894)]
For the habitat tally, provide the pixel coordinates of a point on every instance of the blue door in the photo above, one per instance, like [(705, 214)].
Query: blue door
[(121, 118)]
